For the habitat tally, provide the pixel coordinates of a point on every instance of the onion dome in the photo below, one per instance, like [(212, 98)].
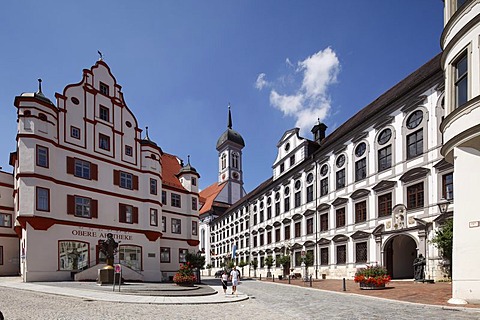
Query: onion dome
[(230, 134)]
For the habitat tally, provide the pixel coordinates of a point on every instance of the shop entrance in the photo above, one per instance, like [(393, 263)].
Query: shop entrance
[(400, 251)]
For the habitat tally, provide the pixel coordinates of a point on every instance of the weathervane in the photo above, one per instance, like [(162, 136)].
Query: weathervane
[(101, 55)]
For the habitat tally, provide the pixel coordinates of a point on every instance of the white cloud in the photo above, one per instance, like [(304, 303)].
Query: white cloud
[(261, 82), (289, 63), (310, 101)]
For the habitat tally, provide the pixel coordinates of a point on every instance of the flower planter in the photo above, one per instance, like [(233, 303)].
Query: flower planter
[(186, 284), (371, 286)]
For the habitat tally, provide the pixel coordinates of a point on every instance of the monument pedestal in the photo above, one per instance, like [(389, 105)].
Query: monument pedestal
[(105, 276)]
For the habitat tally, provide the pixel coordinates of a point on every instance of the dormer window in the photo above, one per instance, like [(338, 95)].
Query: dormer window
[(104, 89)]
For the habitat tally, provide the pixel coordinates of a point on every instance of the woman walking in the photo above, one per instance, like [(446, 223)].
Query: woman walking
[(224, 281)]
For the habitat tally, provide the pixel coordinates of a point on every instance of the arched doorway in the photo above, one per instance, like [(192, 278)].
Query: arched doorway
[(400, 251)]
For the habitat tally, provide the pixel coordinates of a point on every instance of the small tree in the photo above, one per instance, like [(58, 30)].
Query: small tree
[(269, 263), (284, 261), (197, 262), (209, 268), (443, 240), (308, 260), (254, 264)]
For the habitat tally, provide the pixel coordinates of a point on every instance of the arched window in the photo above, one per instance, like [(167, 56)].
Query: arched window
[(224, 160), (235, 160)]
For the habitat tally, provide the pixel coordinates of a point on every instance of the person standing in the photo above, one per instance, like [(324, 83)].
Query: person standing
[(234, 277), (224, 281)]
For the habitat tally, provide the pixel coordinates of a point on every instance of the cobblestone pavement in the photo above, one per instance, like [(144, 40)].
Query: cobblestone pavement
[(268, 301)]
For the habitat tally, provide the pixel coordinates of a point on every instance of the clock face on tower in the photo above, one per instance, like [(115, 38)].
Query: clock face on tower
[(235, 175), (223, 176)]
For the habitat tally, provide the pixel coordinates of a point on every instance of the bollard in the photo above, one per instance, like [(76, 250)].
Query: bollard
[(273, 278), (310, 280), (288, 279), (260, 277), (344, 285)]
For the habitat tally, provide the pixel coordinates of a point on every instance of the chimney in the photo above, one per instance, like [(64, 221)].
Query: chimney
[(318, 131)]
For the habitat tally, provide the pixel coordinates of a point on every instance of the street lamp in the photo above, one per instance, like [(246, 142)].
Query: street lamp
[(443, 205)]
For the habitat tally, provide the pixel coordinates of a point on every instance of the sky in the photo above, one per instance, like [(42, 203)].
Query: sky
[(279, 63)]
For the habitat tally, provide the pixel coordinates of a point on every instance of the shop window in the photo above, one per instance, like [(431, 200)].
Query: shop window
[(130, 256), (165, 255), (73, 255)]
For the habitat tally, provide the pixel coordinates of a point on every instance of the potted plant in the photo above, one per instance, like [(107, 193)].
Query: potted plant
[(372, 277), (185, 276)]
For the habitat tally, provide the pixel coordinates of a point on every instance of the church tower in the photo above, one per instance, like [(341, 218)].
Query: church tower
[(229, 147)]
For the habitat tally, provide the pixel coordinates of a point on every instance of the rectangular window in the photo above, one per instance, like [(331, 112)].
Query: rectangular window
[(415, 197), (255, 242), (360, 211), (254, 219), (287, 203), (82, 207), (277, 209), (153, 186), (277, 235), (194, 228), (261, 216), (310, 226), (385, 158), (194, 181), (292, 160), (75, 132), (324, 222), (164, 197), (103, 142), (43, 199), (287, 232), (385, 205), (194, 204), (42, 156), (82, 169), (73, 255), (164, 224), (361, 169), (298, 199), (104, 113), (5, 220), (415, 144), (269, 213), (126, 180), (324, 187), (340, 179), (461, 80), (298, 229), (104, 89), (128, 213), (153, 217), (1, 255), (165, 255), (310, 193), (341, 254), (298, 259), (340, 217), (324, 256), (182, 254), (447, 186), (176, 226), (128, 151), (262, 238), (361, 252), (282, 168), (175, 200)]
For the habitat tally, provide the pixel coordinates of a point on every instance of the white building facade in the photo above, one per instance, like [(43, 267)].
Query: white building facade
[(366, 194), (82, 171), (461, 133)]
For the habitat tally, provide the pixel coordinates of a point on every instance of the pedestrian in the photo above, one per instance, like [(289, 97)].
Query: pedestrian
[(234, 277), (224, 281)]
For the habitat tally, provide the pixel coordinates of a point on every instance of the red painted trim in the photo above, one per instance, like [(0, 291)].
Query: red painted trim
[(7, 208), (44, 223), (193, 243), (175, 239), (20, 99), (8, 235), (119, 194)]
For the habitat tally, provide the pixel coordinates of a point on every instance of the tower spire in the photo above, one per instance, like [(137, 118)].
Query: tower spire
[(40, 86), (229, 117)]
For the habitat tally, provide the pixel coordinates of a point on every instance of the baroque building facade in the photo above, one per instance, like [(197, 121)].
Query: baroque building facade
[(366, 194), (80, 171)]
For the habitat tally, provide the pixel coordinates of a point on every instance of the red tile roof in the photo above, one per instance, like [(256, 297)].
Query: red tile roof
[(208, 195), (170, 167)]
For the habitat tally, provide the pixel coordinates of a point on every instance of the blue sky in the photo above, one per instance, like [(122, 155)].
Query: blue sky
[(279, 63)]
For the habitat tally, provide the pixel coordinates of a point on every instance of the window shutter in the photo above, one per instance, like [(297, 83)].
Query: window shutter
[(135, 215), (70, 204), (70, 165), (122, 213), (116, 177), (94, 171), (94, 208), (135, 182)]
